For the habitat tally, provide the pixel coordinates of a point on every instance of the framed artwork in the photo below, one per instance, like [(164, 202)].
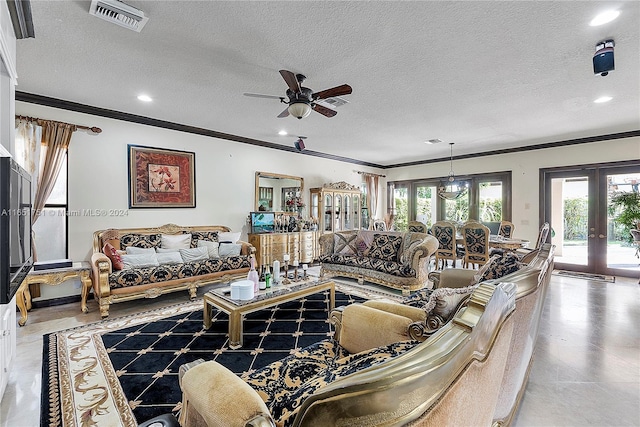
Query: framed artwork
[(161, 178)]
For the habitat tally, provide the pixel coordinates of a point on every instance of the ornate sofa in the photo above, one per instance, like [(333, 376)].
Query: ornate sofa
[(111, 285), (376, 372), (532, 282), (394, 259)]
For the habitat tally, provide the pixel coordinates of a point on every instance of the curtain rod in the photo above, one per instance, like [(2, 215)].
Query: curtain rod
[(369, 173), (35, 119)]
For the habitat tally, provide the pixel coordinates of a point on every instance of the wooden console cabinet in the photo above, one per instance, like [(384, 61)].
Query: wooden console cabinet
[(302, 246)]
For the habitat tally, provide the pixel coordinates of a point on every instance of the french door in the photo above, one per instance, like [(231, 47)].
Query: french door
[(575, 203)]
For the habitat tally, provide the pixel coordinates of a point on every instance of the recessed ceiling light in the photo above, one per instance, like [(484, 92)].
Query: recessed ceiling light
[(604, 18), (145, 98), (603, 99), (433, 141), (282, 133)]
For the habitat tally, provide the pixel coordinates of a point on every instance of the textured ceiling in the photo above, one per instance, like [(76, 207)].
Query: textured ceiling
[(483, 75)]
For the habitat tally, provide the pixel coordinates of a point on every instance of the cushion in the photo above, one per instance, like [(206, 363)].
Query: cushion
[(229, 249), (361, 246), (444, 301), (140, 260), (498, 265), (211, 236), (175, 241), (194, 254), (345, 244), (212, 248), (133, 250), (140, 240), (165, 250), (114, 256), (172, 257), (231, 237), (385, 247)]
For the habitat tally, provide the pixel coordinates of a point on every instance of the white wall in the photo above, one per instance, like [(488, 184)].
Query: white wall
[(225, 178), (525, 169)]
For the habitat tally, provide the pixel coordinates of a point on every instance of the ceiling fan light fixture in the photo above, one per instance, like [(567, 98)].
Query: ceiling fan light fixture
[(299, 110)]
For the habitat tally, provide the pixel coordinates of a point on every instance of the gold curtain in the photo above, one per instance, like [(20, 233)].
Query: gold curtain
[(56, 137)]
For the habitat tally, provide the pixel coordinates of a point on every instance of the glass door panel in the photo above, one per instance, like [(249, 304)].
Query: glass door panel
[(570, 219), (328, 212), (338, 213), (426, 197), (401, 208), (622, 250), (490, 201), (348, 213), (457, 210), (356, 207)]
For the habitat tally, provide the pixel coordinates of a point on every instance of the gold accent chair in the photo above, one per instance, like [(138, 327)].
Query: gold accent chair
[(475, 238), (506, 229), (445, 232)]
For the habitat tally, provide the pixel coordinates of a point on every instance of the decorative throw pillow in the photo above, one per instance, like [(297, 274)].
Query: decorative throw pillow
[(194, 254), (229, 249), (498, 266), (169, 257), (229, 237), (175, 241), (133, 250), (385, 247), (444, 301), (212, 248), (140, 260), (114, 256), (361, 246), (165, 250), (344, 244), (140, 240)]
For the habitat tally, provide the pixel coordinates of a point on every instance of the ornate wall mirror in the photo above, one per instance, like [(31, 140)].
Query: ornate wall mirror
[(278, 193)]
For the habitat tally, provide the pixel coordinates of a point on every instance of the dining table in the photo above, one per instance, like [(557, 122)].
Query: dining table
[(500, 242)]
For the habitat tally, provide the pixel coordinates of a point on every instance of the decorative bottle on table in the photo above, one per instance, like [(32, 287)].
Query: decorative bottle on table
[(261, 283), (267, 278), (253, 275)]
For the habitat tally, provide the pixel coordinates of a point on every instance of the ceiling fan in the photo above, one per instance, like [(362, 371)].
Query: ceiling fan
[(302, 99)]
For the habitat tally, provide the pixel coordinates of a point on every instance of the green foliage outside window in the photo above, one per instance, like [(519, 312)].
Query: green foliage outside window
[(401, 205), (575, 219)]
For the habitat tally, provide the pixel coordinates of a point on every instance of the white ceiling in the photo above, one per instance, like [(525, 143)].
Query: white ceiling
[(486, 75)]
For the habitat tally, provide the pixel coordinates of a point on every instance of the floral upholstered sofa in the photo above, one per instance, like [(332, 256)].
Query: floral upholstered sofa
[(375, 372), (137, 263), (398, 260)]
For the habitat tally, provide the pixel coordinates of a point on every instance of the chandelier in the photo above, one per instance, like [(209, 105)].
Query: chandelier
[(452, 190)]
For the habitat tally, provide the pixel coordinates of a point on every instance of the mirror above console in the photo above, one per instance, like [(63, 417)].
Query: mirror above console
[(278, 193)]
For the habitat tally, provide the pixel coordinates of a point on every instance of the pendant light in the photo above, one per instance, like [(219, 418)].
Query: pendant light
[(452, 190)]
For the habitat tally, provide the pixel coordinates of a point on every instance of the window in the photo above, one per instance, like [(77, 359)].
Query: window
[(487, 200), (50, 230)]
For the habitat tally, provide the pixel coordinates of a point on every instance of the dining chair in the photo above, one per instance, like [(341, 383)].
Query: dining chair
[(506, 229), (379, 225), (417, 227), (445, 232), (475, 238)]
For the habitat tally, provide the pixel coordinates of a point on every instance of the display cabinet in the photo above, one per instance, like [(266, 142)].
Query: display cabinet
[(336, 206)]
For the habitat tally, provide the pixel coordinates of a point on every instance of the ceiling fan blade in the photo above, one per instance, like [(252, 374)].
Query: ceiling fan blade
[(334, 91), (324, 110), (258, 95), (285, 113), (291, 80)]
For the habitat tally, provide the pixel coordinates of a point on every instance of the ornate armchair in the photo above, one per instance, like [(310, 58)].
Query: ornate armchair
[(417, 227), (475, 237), (445, 232)]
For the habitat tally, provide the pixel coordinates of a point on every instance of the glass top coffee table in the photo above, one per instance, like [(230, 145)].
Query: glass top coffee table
[(220, 298)]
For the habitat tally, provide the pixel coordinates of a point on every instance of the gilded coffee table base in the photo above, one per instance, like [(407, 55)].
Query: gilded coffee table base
[(237, 309)]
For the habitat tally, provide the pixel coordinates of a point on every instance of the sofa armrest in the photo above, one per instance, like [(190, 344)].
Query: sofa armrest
[(363, 328), (101, 268), (414, 313), (216, 396), (247, 248), (421, 251), (452, 278)]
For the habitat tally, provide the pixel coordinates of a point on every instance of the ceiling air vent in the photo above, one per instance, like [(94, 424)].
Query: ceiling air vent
[(119, 13)]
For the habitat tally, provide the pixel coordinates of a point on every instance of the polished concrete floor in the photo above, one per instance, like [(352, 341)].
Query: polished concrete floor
[(586, 367)]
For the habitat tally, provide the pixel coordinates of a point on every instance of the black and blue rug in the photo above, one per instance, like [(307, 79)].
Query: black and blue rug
[(125, 371)]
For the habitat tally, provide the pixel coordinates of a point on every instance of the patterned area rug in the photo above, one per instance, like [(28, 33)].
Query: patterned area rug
[(588, 276), (124, 371)]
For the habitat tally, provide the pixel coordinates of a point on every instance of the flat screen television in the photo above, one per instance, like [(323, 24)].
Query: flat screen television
[(263, 222), (15, 227)]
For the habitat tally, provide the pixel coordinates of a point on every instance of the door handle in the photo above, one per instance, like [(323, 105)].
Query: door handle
[(591, 236), (602, 236)]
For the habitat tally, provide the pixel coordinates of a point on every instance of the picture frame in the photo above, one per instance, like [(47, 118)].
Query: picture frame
[(161, 178)]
